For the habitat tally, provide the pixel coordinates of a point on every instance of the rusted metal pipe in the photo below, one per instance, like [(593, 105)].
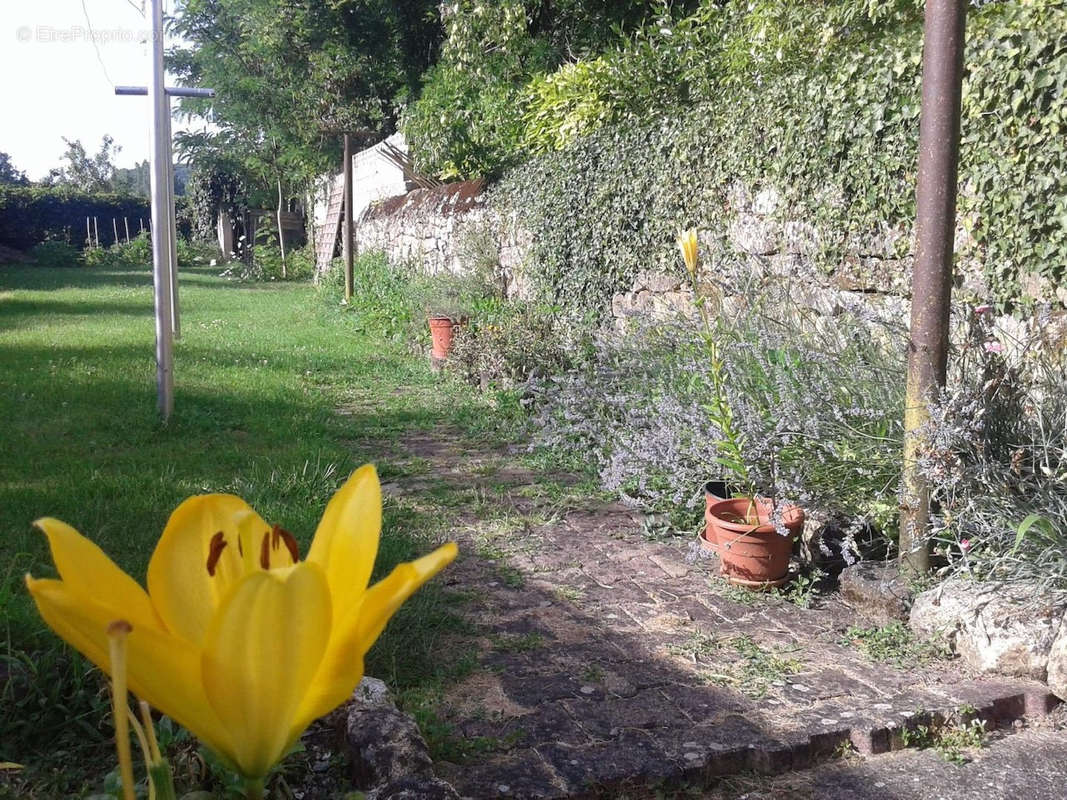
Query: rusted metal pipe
[(935, 227), (346, 239)]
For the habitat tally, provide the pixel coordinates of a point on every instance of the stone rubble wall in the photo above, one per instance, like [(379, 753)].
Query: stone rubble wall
[(430, 226), (873, 277), (444, 230)]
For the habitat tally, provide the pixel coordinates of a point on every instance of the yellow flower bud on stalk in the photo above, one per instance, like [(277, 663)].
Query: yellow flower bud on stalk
[(236, 639), (687, 243)]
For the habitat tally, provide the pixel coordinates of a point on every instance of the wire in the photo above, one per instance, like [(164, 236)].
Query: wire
[(138, 8), (96, 47)]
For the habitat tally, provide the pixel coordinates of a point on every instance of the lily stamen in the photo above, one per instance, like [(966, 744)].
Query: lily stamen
[(215, 548), (290, 541)]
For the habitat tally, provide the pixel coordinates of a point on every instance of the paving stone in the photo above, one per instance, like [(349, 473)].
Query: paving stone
[(607, 718), (520, 774), (624, 758), (1031, 765), (610, 686), (533, 690)]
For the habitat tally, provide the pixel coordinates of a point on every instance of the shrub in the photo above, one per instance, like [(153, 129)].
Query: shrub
[(189, 252), (817, 403), (996, 456), (35, 214), (267, 263), (505, 345), (55, 254), (138, 251)]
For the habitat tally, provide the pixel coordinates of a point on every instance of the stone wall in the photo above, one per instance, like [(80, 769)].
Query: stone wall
[(448, 228), (873, 273)]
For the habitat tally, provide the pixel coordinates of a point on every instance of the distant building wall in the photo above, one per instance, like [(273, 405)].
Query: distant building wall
[(373, 177)]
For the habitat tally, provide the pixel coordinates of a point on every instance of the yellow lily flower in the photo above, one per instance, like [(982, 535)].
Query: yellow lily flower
[(236, 638), (687, 243)]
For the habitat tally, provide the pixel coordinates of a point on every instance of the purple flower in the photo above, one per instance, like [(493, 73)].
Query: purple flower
[(993, 346), (983, 309)]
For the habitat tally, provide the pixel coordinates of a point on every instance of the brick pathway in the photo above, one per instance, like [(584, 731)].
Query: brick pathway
[(608, 658)]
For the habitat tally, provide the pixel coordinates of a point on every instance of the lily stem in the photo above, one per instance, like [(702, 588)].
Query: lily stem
[(254, 789)]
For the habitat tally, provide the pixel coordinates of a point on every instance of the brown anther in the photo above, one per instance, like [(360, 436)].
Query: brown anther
[(119, 627), (264, 551), (218, 544), (280, 533)]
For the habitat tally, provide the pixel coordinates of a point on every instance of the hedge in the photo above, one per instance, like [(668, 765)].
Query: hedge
[(36, 214)]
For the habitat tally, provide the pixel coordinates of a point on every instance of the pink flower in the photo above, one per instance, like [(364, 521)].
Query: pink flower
[(983, 309), (965, 545), (993, 347)]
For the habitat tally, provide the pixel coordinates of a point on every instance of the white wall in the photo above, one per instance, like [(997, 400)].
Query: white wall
[(374, 178)]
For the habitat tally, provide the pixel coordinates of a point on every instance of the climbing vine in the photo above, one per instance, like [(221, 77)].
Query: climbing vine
[(835, 135)]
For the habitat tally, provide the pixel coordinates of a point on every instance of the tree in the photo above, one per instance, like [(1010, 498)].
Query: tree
[(134, 180), (9, 175), (291, 76), (92, 174)]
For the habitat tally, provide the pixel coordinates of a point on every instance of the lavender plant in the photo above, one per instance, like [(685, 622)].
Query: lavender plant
[(814, 404)]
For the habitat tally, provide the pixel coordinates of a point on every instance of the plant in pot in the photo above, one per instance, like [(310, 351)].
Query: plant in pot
[(443, 317), (753, 534)]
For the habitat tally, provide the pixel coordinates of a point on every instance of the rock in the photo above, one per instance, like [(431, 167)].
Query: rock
[(660, 282), (766, 202), (1057, 664), (754, 235), (801, 238), (388, 756), (1008, 629), (415, 789), (372, 692), (876, 590)]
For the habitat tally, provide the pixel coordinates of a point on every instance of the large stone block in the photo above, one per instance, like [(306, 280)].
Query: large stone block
[(1057, 664), (1008, 629), (755, 235)]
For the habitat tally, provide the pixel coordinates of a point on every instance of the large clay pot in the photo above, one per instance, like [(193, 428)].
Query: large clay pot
[(752, 552), (441, 333), (714, 492)]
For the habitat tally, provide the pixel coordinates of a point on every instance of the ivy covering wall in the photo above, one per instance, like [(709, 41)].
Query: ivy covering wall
[(835, 134)]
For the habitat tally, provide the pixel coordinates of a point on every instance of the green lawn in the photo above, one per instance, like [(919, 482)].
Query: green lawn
[(261, 371)]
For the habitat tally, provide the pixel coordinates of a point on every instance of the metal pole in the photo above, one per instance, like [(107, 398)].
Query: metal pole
[(175, 318), (96, 231), (347, 234), (88, 233), (160, 228), (114, 231), (126, 224), (935, 225)]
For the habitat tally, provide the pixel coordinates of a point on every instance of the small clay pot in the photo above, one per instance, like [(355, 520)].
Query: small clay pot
[(441, 333), (752, 552)]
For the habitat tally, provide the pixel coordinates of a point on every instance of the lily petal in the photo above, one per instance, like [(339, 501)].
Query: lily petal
[(261, 652), (88, 573), (346, 540), (162, 669), (342, 665), (183, 590)]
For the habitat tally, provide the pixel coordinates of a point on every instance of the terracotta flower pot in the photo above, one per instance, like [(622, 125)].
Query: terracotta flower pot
[(441, 332), (714, 492), (753, 553)]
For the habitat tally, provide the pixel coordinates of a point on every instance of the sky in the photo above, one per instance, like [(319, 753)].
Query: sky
[(55, 84)]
